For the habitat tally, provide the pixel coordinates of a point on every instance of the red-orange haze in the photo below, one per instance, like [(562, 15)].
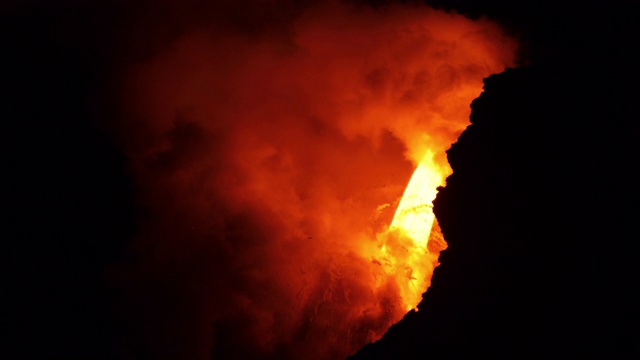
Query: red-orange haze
[(269, 166)]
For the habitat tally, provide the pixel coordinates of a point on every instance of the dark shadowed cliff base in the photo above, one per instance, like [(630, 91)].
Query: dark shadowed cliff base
[(540, 214)]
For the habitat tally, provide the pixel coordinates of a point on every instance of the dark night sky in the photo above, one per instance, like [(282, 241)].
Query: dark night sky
[(65, 180)]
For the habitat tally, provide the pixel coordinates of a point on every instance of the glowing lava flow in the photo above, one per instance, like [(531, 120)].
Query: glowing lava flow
[(270, 161), (414, 215), (405, 245)]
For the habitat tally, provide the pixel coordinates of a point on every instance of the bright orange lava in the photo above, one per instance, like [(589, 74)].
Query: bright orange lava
[(273, 168), (410, 261)]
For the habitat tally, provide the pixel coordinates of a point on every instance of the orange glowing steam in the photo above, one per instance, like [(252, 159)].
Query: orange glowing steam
[(273, 171)]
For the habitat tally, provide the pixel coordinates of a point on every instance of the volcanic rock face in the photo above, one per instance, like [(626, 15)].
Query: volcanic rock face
[(535, 217)]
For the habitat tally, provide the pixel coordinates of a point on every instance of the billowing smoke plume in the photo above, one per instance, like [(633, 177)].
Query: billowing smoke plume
[(268, 158)]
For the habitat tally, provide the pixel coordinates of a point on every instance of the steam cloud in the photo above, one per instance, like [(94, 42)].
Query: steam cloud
[(267, 158)]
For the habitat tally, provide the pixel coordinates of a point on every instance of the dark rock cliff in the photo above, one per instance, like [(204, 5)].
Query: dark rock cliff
[(539, 217), (540, 213)]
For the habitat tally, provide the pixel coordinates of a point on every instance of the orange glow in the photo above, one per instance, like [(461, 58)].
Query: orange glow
[(273, 171), (413, 221)]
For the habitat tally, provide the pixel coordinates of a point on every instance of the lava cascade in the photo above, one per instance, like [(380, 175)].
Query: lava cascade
[(272, 169)]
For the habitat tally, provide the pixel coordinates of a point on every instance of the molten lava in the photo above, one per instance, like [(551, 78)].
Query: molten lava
[(272, 164), (414, 216), (413, 222)]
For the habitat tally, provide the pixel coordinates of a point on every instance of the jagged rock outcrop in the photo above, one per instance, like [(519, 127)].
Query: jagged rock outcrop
[(536, 219)]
